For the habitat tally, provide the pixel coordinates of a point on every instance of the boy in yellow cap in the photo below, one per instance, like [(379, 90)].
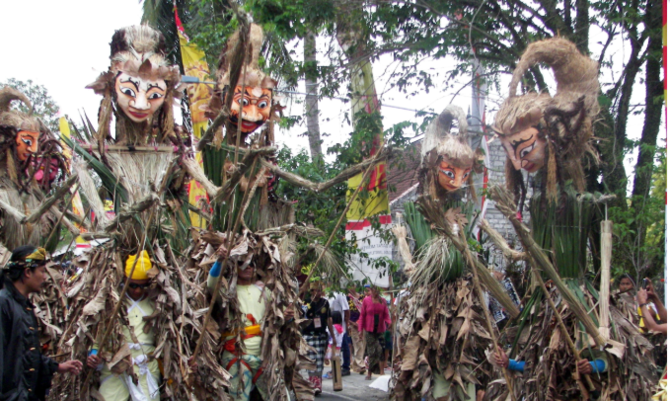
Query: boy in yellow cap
[(115, 386)]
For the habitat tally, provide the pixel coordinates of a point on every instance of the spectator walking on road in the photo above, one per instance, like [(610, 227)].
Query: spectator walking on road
[(339, 309), (357, 338), (373, 322), (319, 317)]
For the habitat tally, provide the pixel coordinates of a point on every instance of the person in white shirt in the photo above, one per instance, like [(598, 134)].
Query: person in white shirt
[(339, 307)]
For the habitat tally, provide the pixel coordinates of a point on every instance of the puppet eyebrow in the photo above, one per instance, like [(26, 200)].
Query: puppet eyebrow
[(136, 84), (246, 92), (515, 144), (151, 86)]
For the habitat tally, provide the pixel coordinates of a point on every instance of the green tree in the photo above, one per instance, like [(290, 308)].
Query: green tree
[(43, 105), (498, 32)]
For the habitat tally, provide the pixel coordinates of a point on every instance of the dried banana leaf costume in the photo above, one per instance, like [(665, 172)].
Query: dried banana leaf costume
[(551, 135), (27, 150), (138, 164), (442, 330), (263, 236)]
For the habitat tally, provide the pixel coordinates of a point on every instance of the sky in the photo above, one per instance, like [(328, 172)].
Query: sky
[(65, 45)]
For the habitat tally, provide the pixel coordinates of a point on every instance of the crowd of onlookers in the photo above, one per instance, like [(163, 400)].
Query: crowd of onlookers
[(355, 327)]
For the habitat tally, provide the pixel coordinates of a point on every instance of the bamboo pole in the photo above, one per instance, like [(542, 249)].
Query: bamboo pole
[(48, 202), (323, 186), (605, 260), (493, 331), (55, 228)]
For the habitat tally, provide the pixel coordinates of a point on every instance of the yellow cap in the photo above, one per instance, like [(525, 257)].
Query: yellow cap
[(143, 266)]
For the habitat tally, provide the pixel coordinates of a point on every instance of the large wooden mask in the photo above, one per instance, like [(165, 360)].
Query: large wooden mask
[(139, 98), (525, 149), (254, 104), (450, 176)]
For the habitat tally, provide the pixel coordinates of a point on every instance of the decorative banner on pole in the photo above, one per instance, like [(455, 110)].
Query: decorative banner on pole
[(77, 206), (193, 60), (374, 201)]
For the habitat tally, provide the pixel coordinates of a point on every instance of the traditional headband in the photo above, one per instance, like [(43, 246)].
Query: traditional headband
[(35, 259)]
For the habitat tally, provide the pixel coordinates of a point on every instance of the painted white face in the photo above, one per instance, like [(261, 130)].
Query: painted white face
[(138, 98), (525, 149)]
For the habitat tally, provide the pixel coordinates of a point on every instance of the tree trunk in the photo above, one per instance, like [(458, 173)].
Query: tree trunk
[(652, 116), (582, 25), (612, 148), (312, 99)]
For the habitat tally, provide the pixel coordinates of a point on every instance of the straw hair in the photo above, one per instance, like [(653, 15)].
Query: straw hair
[(453, 147), (13, 118), (140, 52), (564, 120), (440, 144), (140, 43), (251, 75)]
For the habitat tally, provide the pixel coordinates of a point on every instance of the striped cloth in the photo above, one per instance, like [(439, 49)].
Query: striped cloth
[(319, 341)]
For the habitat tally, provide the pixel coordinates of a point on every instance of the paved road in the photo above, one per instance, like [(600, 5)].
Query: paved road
[(355, 388)]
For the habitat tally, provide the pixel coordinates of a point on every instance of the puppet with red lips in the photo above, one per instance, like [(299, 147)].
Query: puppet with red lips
[(252, 98), (448, 159), (142, 87), (22, 151), (550, 134)]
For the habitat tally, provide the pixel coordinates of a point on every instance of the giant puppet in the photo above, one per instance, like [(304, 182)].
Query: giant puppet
[(443, 329), (30, 162), (557, 350), (128, 310), (253, 232)]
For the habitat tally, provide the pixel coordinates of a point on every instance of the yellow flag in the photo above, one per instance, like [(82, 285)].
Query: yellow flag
[(199, 95)]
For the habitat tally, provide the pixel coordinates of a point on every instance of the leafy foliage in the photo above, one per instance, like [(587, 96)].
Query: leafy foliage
[(321, 210), (643, 252)]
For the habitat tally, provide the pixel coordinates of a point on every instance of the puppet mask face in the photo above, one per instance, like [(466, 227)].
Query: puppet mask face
[(255, 107), (525, 149), (451, 177), (26, 144), (138, 98)]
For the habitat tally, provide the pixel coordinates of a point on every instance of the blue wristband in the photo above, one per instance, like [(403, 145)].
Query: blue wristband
[(94, 351), (517, 366), (598, 366), (216, 269)]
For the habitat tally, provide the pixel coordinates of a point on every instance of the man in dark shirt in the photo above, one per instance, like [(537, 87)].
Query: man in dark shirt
[(25, 373), (318, 315)]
